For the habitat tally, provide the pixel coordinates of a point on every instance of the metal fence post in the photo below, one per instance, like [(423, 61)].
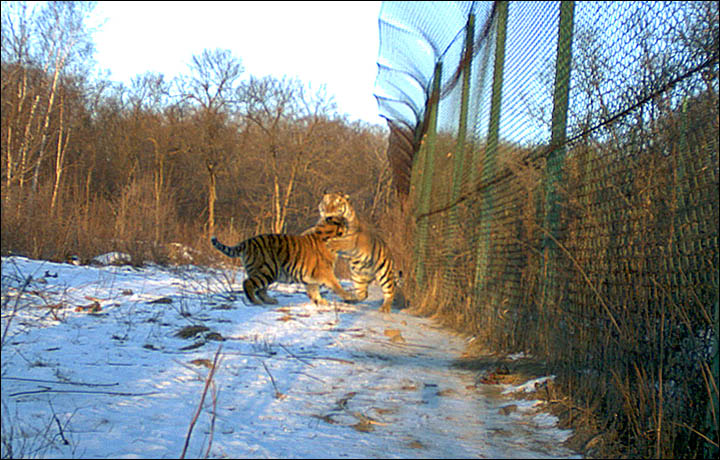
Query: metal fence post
[(459, 154), (484, 245), (426, 178), (459, 159), (556, 158)]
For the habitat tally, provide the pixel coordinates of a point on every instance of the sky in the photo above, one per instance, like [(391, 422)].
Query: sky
[(321, 43)]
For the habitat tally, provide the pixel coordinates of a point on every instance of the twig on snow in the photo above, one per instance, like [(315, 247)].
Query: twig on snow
[(62, 383), (212, 420), (295, 356), (208, 381), (108, 393), (278, 394), (60, 430)]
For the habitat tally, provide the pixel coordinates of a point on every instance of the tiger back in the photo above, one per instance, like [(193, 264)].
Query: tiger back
[(291, 258), (368, 256)]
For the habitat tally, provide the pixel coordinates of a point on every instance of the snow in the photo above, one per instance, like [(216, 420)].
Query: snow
[(92, 366), (112, 258), (529, 386)]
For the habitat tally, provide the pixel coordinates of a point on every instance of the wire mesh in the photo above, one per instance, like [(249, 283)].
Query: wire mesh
[(585, 232)]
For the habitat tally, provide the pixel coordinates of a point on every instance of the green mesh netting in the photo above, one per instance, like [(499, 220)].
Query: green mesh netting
[(561, 160)]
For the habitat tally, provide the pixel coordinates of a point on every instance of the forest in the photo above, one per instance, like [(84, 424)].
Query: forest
[(90, 165)]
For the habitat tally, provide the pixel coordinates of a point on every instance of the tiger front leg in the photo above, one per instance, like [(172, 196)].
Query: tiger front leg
[(387, 302), (342, 293), (313, 291)]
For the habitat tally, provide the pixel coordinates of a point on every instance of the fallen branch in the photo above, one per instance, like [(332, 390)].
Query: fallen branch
[(212, 421), (327, 358), (259, 355), (108, 393), (295, 356), (21, 379), (208, 380)]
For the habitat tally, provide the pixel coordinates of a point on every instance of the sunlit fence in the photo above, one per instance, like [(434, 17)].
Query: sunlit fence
[(561, 159)]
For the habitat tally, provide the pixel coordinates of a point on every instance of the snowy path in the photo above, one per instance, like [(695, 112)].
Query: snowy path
[(294, 380)]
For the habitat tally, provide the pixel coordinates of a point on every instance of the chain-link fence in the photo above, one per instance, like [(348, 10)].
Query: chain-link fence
[(561, 159)]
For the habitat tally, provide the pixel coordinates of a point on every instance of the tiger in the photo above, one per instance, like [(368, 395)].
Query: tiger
[(368, 255), (295, 258)]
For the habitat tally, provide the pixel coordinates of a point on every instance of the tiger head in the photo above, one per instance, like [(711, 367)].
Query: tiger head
[(335, 204), (331, 227)]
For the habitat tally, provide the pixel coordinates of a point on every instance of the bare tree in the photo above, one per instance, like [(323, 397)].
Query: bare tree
[(149, 95), (289, 118), (212, 90), (38, 46), (64, 37)]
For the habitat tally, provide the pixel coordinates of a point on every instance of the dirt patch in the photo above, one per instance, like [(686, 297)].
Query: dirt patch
[(494, 369), (587, 439)]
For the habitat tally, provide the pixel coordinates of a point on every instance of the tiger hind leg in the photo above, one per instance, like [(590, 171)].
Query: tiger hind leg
[(253, 287), (266, 298), (360, 289), (387, 283)]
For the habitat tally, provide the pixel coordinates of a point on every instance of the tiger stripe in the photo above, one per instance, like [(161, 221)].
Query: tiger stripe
[(291, 258), (368, 256)]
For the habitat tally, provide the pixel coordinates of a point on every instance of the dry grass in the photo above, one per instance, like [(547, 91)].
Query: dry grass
[(623, 310), (87, 228)]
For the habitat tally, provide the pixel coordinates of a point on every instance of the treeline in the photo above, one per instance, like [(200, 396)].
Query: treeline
[(90, 166)]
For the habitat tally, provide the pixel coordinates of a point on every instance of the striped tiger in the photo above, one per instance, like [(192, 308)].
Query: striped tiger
[(293, 258), (368, 255)]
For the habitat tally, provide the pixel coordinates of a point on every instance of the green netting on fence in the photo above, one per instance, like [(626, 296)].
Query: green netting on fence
[(561, 160)]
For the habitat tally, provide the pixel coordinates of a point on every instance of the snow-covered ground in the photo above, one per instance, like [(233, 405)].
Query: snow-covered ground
[(100, 361)]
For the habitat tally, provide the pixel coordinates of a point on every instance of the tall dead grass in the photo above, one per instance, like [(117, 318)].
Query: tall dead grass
[(133, 222), (624, 308)]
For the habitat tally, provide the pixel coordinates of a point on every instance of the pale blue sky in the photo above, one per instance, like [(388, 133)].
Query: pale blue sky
[(331, 43)]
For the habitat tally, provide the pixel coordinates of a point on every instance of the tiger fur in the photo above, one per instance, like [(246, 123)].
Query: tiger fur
[(295, 258), (368, 256)]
